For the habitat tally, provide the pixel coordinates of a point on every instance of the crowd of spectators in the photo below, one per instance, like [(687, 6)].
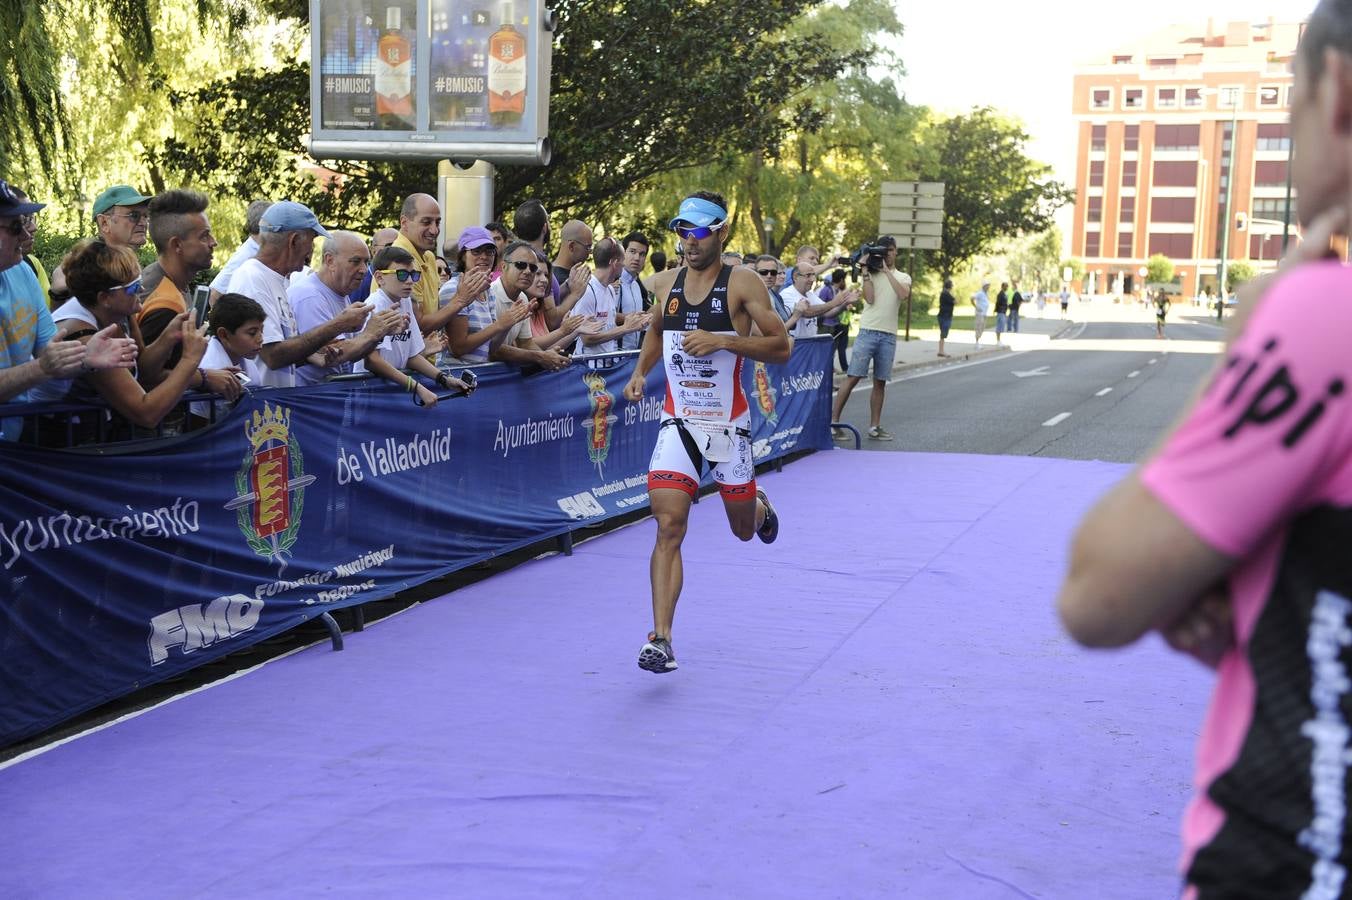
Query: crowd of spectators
[(128, 345)]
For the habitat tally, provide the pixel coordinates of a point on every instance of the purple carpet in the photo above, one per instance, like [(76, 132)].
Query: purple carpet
[(879, 704)]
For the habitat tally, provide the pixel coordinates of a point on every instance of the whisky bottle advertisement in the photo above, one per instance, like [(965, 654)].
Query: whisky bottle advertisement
[(459, 67), (348, 33), (394, 72), (506, 72)]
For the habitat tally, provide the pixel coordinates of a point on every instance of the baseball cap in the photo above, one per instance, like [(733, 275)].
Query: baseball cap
[(699, 213), (11, 205), (118, 195), (474, 236), (290, 216)]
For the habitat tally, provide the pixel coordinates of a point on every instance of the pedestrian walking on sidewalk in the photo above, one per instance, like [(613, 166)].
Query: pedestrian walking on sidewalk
[(876, 343), (1002, 311), (981, 302), (1015, 301), (946, 303)]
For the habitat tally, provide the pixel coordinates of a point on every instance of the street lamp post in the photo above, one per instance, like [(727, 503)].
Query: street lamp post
[(768, 224), (1286, 213), (1229, 188)]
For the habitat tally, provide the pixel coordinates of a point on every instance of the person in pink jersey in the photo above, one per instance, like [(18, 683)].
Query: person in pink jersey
[(1231, 538)]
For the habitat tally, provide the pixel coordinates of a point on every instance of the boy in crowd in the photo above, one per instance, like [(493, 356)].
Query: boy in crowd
[(236, 328)]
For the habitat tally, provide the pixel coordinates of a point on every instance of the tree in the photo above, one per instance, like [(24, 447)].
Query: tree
[(1036, 256), (993, 189), (1159, 269), (1076, 269), (1236, 273)]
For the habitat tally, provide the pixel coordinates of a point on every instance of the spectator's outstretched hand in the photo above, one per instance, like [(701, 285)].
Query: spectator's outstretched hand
[(517, 311), (352, 317), (472, 284), (63, 359), (578, 278), (223, 382), (107, 351), (194, 340), (390, 321), (572, 323), (434, 342)]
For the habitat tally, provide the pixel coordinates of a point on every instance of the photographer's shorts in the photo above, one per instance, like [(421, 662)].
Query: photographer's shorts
[(876, 347), (945, 323), (677, 463)]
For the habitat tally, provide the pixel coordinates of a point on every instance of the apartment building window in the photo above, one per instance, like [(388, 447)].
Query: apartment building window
[(1131, 138), (1133, 98), (1175, 173), (1101, 98), (1094, 209), (1129, 173), (1192, 98), (1098, 137), (1127, 214), (1174, 246), (1096, 173), (1121, 60), (1274, 136), (1166, 98), (1269, 173), (1273, 208), (1124, 244), (1172, 209), (1269, 95), (1091, 243), (1163, 62), (1177, 137)]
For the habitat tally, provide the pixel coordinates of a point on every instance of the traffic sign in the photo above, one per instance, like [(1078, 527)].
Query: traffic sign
[(898, 227), (912, 201), (911, 188), (917, 241)]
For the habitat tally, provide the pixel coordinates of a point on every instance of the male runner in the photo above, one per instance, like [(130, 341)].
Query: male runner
[(707, 310)]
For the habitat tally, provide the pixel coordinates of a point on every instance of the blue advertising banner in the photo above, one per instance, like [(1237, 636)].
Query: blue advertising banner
[(120, 569)]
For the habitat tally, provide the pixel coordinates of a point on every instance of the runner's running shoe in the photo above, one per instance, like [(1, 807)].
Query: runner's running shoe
[(657, 655), (769, 529)]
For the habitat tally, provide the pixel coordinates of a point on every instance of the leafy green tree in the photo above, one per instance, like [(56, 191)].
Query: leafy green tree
[(1159, 269), (1236, 273), (993, 189)]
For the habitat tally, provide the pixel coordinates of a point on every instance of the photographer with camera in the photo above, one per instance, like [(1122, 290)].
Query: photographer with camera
[(884, 290)]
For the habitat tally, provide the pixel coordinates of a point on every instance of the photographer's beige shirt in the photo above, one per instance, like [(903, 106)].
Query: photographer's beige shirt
[(881, 314)]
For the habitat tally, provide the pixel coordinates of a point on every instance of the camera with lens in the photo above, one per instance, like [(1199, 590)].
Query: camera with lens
[(870, 256)]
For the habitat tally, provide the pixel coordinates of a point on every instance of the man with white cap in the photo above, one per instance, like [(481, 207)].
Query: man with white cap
[(286, 240), (703, 321), (29, 354)]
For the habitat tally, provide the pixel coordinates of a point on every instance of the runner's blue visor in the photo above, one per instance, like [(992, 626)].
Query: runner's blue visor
[(699, 213)]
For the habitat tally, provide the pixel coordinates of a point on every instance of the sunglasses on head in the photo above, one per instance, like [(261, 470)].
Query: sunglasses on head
[(402, 274), (522, 266), (698, 233)]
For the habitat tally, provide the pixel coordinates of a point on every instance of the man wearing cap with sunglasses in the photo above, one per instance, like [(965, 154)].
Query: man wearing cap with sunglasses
[(28, 353), (708, 319), (286, 240), (122, 218)]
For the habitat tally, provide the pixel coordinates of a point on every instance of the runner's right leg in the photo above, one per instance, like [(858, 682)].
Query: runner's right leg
[(671, 509)]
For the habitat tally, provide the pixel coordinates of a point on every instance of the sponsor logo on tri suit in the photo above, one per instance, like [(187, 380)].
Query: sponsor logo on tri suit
[(672, 305), (716, 305), (698, 384), (1274, 397)]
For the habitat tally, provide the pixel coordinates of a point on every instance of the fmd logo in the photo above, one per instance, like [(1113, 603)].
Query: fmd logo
[(196, 626)]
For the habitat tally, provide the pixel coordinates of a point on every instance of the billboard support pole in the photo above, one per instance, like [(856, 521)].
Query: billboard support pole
[(466, 196)]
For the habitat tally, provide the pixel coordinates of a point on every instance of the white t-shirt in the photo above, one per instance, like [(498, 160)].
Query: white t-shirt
[(981, 302), (598, 305), (257, 282), (806, 326), (217, 357), (247, 250), (314, 303), (501, 305), (401, 346)]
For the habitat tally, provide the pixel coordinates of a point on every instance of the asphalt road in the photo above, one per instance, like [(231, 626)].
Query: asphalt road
[(1107, 390)]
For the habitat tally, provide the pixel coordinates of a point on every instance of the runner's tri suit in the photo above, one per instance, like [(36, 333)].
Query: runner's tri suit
[(706, 416)]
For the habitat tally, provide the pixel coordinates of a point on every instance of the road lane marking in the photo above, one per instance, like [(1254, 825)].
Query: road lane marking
[(1134, 374), (1104, 391), (1056, 420), (1153, 361)]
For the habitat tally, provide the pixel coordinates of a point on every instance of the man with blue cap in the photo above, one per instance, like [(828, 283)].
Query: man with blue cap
[(709, 318), (286, 240)]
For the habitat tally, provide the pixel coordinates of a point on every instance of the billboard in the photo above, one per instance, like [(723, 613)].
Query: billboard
[(431, 79)]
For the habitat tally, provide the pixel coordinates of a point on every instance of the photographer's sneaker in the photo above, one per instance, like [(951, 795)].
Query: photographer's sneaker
[(769, 529), (657, 655), (876, 433)]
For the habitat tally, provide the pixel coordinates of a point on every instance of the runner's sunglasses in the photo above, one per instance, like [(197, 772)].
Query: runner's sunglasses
[(684, 231)]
